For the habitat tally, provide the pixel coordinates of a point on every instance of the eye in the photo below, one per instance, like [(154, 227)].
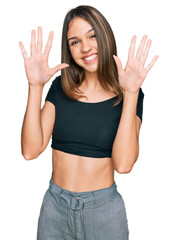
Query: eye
[(73, 43), (93, 36)]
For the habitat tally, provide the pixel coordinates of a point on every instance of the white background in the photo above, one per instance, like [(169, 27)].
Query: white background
[(150, 189)]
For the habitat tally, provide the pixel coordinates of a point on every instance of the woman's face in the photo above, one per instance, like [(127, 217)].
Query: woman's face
[(83, 45)]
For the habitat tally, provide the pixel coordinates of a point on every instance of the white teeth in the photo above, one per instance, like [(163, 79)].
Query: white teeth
[(90, 58)]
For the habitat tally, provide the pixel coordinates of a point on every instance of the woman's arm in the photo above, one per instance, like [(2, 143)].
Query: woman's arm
[(37, 124), (126, 144), (32, 135)]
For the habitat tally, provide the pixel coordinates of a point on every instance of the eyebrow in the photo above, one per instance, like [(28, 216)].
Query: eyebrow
[(85, 34)]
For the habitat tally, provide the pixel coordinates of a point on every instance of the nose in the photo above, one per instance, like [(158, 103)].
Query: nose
[(85, 46)]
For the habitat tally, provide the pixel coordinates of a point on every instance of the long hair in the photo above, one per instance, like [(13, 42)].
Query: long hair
[(73, 76)]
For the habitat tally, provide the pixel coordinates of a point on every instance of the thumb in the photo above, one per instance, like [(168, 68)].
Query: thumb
[(118, 64), (58, 68)]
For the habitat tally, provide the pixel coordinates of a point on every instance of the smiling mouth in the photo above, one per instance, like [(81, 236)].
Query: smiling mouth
[(90, 59)]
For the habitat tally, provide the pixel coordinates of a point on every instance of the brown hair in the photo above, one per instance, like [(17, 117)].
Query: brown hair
[(73, 76)]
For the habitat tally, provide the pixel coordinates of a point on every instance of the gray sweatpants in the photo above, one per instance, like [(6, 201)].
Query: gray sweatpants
[(92, 215)]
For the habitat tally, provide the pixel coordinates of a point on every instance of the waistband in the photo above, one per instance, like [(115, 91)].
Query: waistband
[(77, 200)]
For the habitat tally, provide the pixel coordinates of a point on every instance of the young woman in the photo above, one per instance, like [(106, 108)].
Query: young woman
[(93, 112)]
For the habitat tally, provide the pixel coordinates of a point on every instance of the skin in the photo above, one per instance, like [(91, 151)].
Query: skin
[(72, 172)]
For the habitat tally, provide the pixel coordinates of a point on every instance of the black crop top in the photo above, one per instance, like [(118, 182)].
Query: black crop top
[(85, 129)]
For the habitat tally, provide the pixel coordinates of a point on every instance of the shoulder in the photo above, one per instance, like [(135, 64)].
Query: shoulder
[(57, 81), (140, 97), (141, 93)]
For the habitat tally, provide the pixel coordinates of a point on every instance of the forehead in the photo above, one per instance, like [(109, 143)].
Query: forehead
[(78, 26)]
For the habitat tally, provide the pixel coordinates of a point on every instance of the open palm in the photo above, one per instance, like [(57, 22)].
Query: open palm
[(36, 66), (132, 77)]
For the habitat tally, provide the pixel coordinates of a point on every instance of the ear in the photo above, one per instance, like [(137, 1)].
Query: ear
[(118, 64)]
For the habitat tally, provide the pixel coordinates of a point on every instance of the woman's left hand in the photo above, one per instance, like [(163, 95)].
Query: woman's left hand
[(132, 77)]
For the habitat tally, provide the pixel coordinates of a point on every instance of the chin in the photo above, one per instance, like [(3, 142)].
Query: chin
[(91, 69)]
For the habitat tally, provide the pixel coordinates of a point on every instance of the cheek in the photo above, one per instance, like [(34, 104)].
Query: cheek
[(95, 45), (75, 55), (74, 52)]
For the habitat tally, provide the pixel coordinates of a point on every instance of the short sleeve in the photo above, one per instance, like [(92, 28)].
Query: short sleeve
[(140, 104), (51, 94)]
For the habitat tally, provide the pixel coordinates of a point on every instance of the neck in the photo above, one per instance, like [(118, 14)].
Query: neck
[(91, 81)]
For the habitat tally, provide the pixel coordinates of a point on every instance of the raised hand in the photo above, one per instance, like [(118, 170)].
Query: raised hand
[(36, 66), (132, 77)]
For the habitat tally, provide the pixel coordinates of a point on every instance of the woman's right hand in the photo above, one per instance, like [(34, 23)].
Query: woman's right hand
[(36, 66)]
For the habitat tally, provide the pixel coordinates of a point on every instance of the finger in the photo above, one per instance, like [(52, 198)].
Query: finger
[(39, 40), (58, 68), (145, 54), (151, 63), (141, 46), (48, 44), (132, 48), (24, 53), (118, 64), (33, 42)]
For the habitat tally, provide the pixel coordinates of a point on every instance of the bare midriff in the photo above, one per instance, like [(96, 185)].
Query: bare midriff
[(80, 174)]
